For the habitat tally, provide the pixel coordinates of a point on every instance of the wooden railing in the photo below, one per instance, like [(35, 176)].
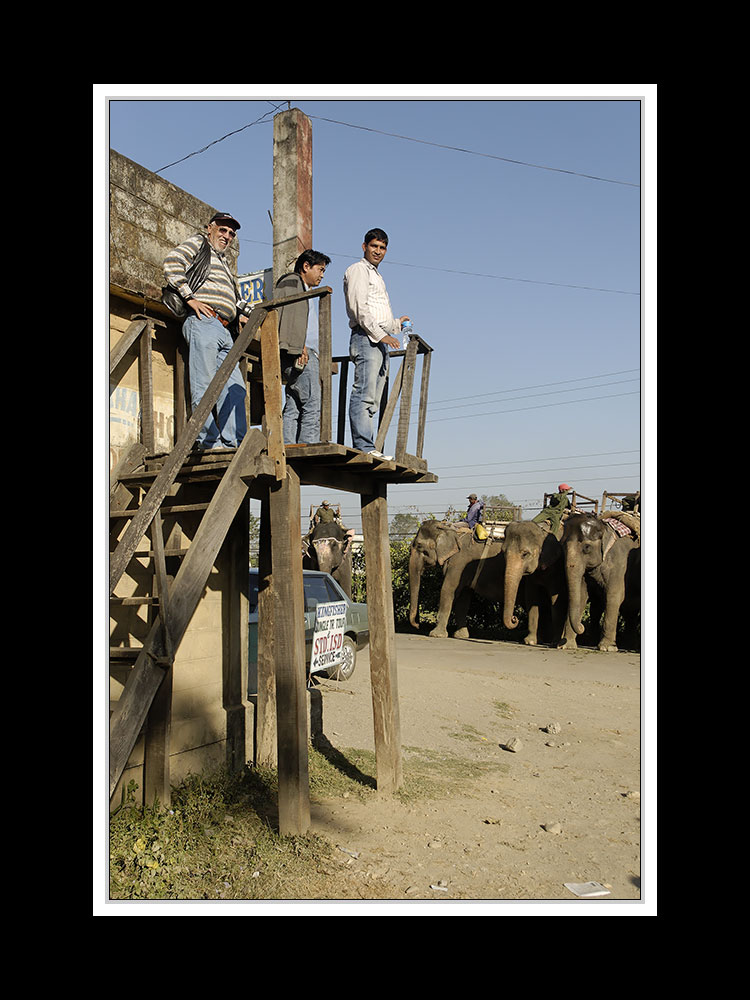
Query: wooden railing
[(403, 387), (262, 373)]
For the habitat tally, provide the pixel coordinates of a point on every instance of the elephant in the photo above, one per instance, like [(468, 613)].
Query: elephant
[(605, 565), (328, 548), (533, 556), (468, 565)]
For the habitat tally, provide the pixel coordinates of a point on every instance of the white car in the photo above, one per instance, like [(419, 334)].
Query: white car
[(320, 588)]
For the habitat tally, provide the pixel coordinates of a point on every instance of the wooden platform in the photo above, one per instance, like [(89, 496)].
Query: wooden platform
[(335, 466)]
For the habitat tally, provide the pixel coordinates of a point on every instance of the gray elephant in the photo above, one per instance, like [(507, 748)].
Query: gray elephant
[(328, 548), (534, 557), (468, 567), (605, 565)]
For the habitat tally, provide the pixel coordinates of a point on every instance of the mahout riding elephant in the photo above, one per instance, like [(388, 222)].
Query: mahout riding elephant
[(328, 548), (534, 556), (605, 565)]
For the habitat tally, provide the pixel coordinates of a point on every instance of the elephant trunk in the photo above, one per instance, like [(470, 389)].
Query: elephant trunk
[(416, 563), (574, 575), (513, 574)]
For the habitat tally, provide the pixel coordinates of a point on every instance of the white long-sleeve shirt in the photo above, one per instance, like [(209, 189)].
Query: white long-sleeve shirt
[(367, 302)]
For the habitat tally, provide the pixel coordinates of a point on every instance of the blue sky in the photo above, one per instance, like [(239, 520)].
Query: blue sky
[(517, 246)]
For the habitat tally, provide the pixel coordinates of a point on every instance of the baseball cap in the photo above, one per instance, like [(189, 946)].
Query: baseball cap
[(225, 217)]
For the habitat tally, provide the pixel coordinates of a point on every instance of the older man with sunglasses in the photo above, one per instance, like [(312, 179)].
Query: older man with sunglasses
[(214, 307)]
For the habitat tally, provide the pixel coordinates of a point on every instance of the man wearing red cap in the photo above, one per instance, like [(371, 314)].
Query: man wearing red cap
[(199, 272), (557, 505)]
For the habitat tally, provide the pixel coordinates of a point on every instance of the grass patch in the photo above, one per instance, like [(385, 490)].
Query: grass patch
[(218, 839), (503, 709)]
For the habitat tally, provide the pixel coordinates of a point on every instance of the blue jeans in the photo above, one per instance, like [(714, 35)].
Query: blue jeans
[(302, 408), (371, 363), (209, 343)]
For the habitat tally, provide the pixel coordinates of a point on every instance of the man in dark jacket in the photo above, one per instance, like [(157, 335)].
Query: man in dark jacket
[(298, 342), (474, 512)]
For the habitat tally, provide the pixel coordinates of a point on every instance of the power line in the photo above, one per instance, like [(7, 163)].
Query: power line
[(540, 385), (474, 152), (539, 406), (549, 458), (236, 131), (533, 395)]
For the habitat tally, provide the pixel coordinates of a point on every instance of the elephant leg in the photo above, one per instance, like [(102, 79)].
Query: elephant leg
[(570, 639), (447, 594), (460, 613), (615, 596), (532, 636)]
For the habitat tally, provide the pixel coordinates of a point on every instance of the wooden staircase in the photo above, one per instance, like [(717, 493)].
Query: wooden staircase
[(173, 601)]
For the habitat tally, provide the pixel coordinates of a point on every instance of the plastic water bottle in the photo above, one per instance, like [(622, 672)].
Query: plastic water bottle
[(406, 329)]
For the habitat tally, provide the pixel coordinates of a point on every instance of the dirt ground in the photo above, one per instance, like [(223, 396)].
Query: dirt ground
[(560, 805)]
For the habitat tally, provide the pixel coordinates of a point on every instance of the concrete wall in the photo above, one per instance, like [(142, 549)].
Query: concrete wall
[(148, 217)]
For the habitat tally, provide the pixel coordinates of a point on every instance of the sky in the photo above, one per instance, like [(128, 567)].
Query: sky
[(519, 245)]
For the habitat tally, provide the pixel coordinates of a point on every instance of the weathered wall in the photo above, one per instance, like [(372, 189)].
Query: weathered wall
[(148, 217)]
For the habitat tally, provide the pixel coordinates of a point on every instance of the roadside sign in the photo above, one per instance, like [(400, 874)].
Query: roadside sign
[(328, 637)]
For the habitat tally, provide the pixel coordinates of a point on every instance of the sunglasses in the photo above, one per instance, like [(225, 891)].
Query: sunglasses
[(226, 231)]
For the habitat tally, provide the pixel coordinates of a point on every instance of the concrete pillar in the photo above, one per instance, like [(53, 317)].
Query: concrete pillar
[(292, 189)]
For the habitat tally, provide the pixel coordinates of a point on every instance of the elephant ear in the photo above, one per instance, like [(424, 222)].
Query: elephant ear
[(445, 546)]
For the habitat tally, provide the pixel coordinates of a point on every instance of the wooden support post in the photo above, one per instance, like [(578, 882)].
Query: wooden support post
[(272, 394), (404, 413), (265, 707), (235, 609), (424, 388), (289, 653), (383, 675), (146, 387)]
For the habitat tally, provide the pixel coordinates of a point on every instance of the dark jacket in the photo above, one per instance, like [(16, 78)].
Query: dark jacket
[(292, 318)]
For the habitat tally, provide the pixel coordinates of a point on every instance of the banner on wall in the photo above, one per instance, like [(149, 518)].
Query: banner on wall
[(255, 286)]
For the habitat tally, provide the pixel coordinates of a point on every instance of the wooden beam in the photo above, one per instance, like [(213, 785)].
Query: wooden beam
[(272, 394), (126, 341), (404, 413), (235, 607), (289, 654), (146, 387), (424, 389), (265, 706), (383, 675)]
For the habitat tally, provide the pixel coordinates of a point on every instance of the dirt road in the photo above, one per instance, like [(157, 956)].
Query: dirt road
[(541, 755)]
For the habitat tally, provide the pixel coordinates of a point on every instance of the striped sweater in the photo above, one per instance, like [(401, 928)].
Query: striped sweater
[(218, 291)]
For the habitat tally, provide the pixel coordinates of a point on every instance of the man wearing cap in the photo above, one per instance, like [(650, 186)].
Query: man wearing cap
[(474, 513), (213, 308), (557, 505), (324, 514)]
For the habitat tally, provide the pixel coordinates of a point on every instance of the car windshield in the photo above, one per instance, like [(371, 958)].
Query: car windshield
[(318, 590)]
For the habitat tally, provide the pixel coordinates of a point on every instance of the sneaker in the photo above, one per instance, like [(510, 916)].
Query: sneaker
[(379, 454)]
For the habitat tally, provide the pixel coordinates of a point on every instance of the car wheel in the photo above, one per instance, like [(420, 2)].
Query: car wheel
[(344, 669)]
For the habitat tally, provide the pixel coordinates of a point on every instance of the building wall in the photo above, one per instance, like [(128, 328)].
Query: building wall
[(148, 217)]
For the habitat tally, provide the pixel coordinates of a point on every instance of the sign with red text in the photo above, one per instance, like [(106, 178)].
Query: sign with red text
[(328, 637)]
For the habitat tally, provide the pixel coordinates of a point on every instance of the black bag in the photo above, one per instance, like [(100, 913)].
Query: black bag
[(196, 274)]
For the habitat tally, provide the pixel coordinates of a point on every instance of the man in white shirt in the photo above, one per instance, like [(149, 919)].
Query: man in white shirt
[(373, 330)]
